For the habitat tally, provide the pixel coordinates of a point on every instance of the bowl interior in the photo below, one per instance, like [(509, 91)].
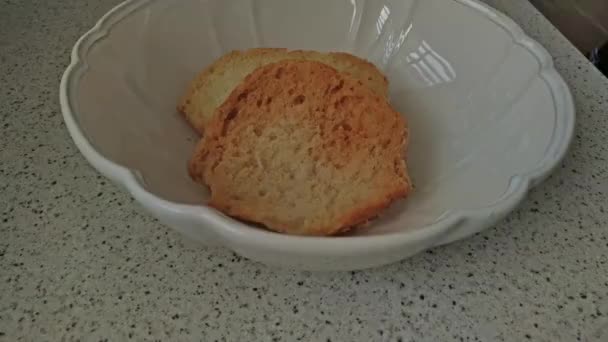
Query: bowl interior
[(478, 110)]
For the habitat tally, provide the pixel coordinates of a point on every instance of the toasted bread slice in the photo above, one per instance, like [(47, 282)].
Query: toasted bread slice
[(209, 90), (303, 149)]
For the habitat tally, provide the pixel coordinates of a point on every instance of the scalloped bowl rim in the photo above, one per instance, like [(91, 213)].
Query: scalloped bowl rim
[(227, 228)]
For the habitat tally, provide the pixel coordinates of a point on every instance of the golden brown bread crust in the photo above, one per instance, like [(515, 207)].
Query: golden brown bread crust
[(213, 85), (303, 149)]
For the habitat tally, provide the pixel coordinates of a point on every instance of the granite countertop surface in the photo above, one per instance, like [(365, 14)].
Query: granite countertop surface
[(79, 260)]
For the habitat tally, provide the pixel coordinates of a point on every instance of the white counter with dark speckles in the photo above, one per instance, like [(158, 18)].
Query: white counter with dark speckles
[(80, 261)]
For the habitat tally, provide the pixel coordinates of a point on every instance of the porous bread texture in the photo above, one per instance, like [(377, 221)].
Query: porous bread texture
[(303, 149), (211, 88)]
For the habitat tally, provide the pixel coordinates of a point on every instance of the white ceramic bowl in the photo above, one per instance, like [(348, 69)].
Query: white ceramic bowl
[(489, 115)]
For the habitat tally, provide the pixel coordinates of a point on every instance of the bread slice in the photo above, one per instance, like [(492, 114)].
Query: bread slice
[(209, 90), (303, 149)]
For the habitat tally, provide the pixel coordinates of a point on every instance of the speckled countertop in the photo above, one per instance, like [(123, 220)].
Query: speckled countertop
[(80, 261)]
